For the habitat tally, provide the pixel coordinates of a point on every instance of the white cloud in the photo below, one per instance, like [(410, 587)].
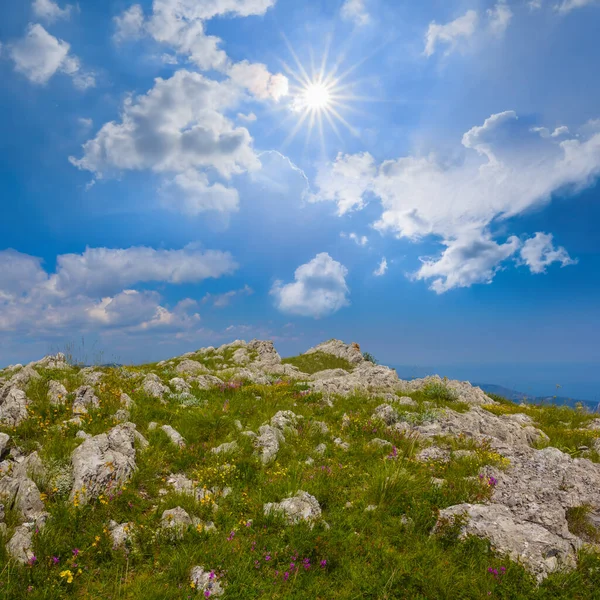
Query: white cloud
[(50, 11), (223, 300), (506, 170), (359, 240), (255, 77), (319, 289), (180, 24), (534, 4), (92, 290), (461, 28), (346, 181), (355, 11), (129, 25), (569, 5), (249, 118), (499, 18), (85, 122), (539, 252), (474, 258), (40, 55), (382, 268), (545, 132), (178, 125), (190, 193)]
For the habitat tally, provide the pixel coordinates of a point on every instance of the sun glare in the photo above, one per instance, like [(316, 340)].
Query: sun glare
[(316, 97)]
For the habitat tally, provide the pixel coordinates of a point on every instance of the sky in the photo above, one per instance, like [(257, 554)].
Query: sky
[(421, 178)]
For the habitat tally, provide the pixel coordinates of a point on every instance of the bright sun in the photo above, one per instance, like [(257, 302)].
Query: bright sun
[(316, 97)]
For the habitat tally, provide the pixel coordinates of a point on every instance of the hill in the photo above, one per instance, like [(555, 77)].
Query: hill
[(229, 472)]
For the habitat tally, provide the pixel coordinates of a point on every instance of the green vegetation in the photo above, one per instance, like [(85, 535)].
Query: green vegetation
[(318, 361), (385, 553)]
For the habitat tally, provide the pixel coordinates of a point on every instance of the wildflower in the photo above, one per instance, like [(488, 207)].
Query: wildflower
[(231, 536), (32, 560), (211, 575), (292, 565), (323, 563), (207, 593), (55, 560), (286, 576), (68, 575), (268, 557), (76, 551)]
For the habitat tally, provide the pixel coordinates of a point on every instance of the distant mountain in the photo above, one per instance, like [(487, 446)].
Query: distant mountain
[(516, 396)]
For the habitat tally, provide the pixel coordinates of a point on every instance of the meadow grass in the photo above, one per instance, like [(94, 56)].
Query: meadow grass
[(353, 553)]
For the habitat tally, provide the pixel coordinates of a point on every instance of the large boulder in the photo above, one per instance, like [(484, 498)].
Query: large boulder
[(13, 407), (85, 398), (190, 367), (267, 356), (57, 393), (20, 544), (103, 462), (301, 507), (349, 352), (153, 386), (465, 392)]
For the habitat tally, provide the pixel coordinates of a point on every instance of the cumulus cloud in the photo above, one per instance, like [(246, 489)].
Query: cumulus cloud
[(473, 258), (499, 18), (180, 24), (39, 55), (50, 11), (381, 270), (319, 289), (190, 193), (178, 125), (93, 290), (451, 33), (539, 252), (129, 25), (355, 11), (346, 181), (359, 240), (223, 300), (545, 132), (506, 170)]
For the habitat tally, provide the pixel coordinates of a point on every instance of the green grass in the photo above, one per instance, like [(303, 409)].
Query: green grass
[(317, 361), (387, 553)]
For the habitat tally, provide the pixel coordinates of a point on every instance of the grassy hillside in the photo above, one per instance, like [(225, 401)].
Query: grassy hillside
[(379, 504)]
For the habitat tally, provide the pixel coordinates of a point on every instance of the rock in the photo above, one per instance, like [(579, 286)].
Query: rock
[(286, 421), (21, 493), (253, 375), (174, 436), (53, 361), (537, 548), (267, 356), (126, 401), (379, 443), (57, 393), (206, 382), (175, 522), (459, 454), (152, 426), (320, 427), (349, 352), (206, 581), (120, 534), (433, 454), (91, 377), (190, 367), (328, 374), (406, 401), (28, 466), (301, 507), (241, 356), (13, 407), (181, 484), (386, 413), (179, 384), (141, 440), (20, 545), (371, 508), (4, 439), (341, 444), (226, 448), (464, 390), (321, 449), (268, 442), (84, 398), (103, 462), (82, 435), (154, 387)]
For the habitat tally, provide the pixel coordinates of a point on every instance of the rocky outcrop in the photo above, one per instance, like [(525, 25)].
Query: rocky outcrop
[(174, 436), (272, 435), (20, 544), (301, 507), (190, 367), (103, 462), (464, 390), (13, 407), (85, 398), (349, 352), (57, 393), (154, 387)]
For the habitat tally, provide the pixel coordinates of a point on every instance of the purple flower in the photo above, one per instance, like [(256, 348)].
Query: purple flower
[(207, 594), (286, 576), (32, 560), (323, 563), (231, 536), (55, 560), (211, 575), (292, 565), (492, 481), (76, 551), (268, 557)]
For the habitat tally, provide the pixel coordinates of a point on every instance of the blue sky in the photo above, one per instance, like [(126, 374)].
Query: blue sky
[(418, 177)]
